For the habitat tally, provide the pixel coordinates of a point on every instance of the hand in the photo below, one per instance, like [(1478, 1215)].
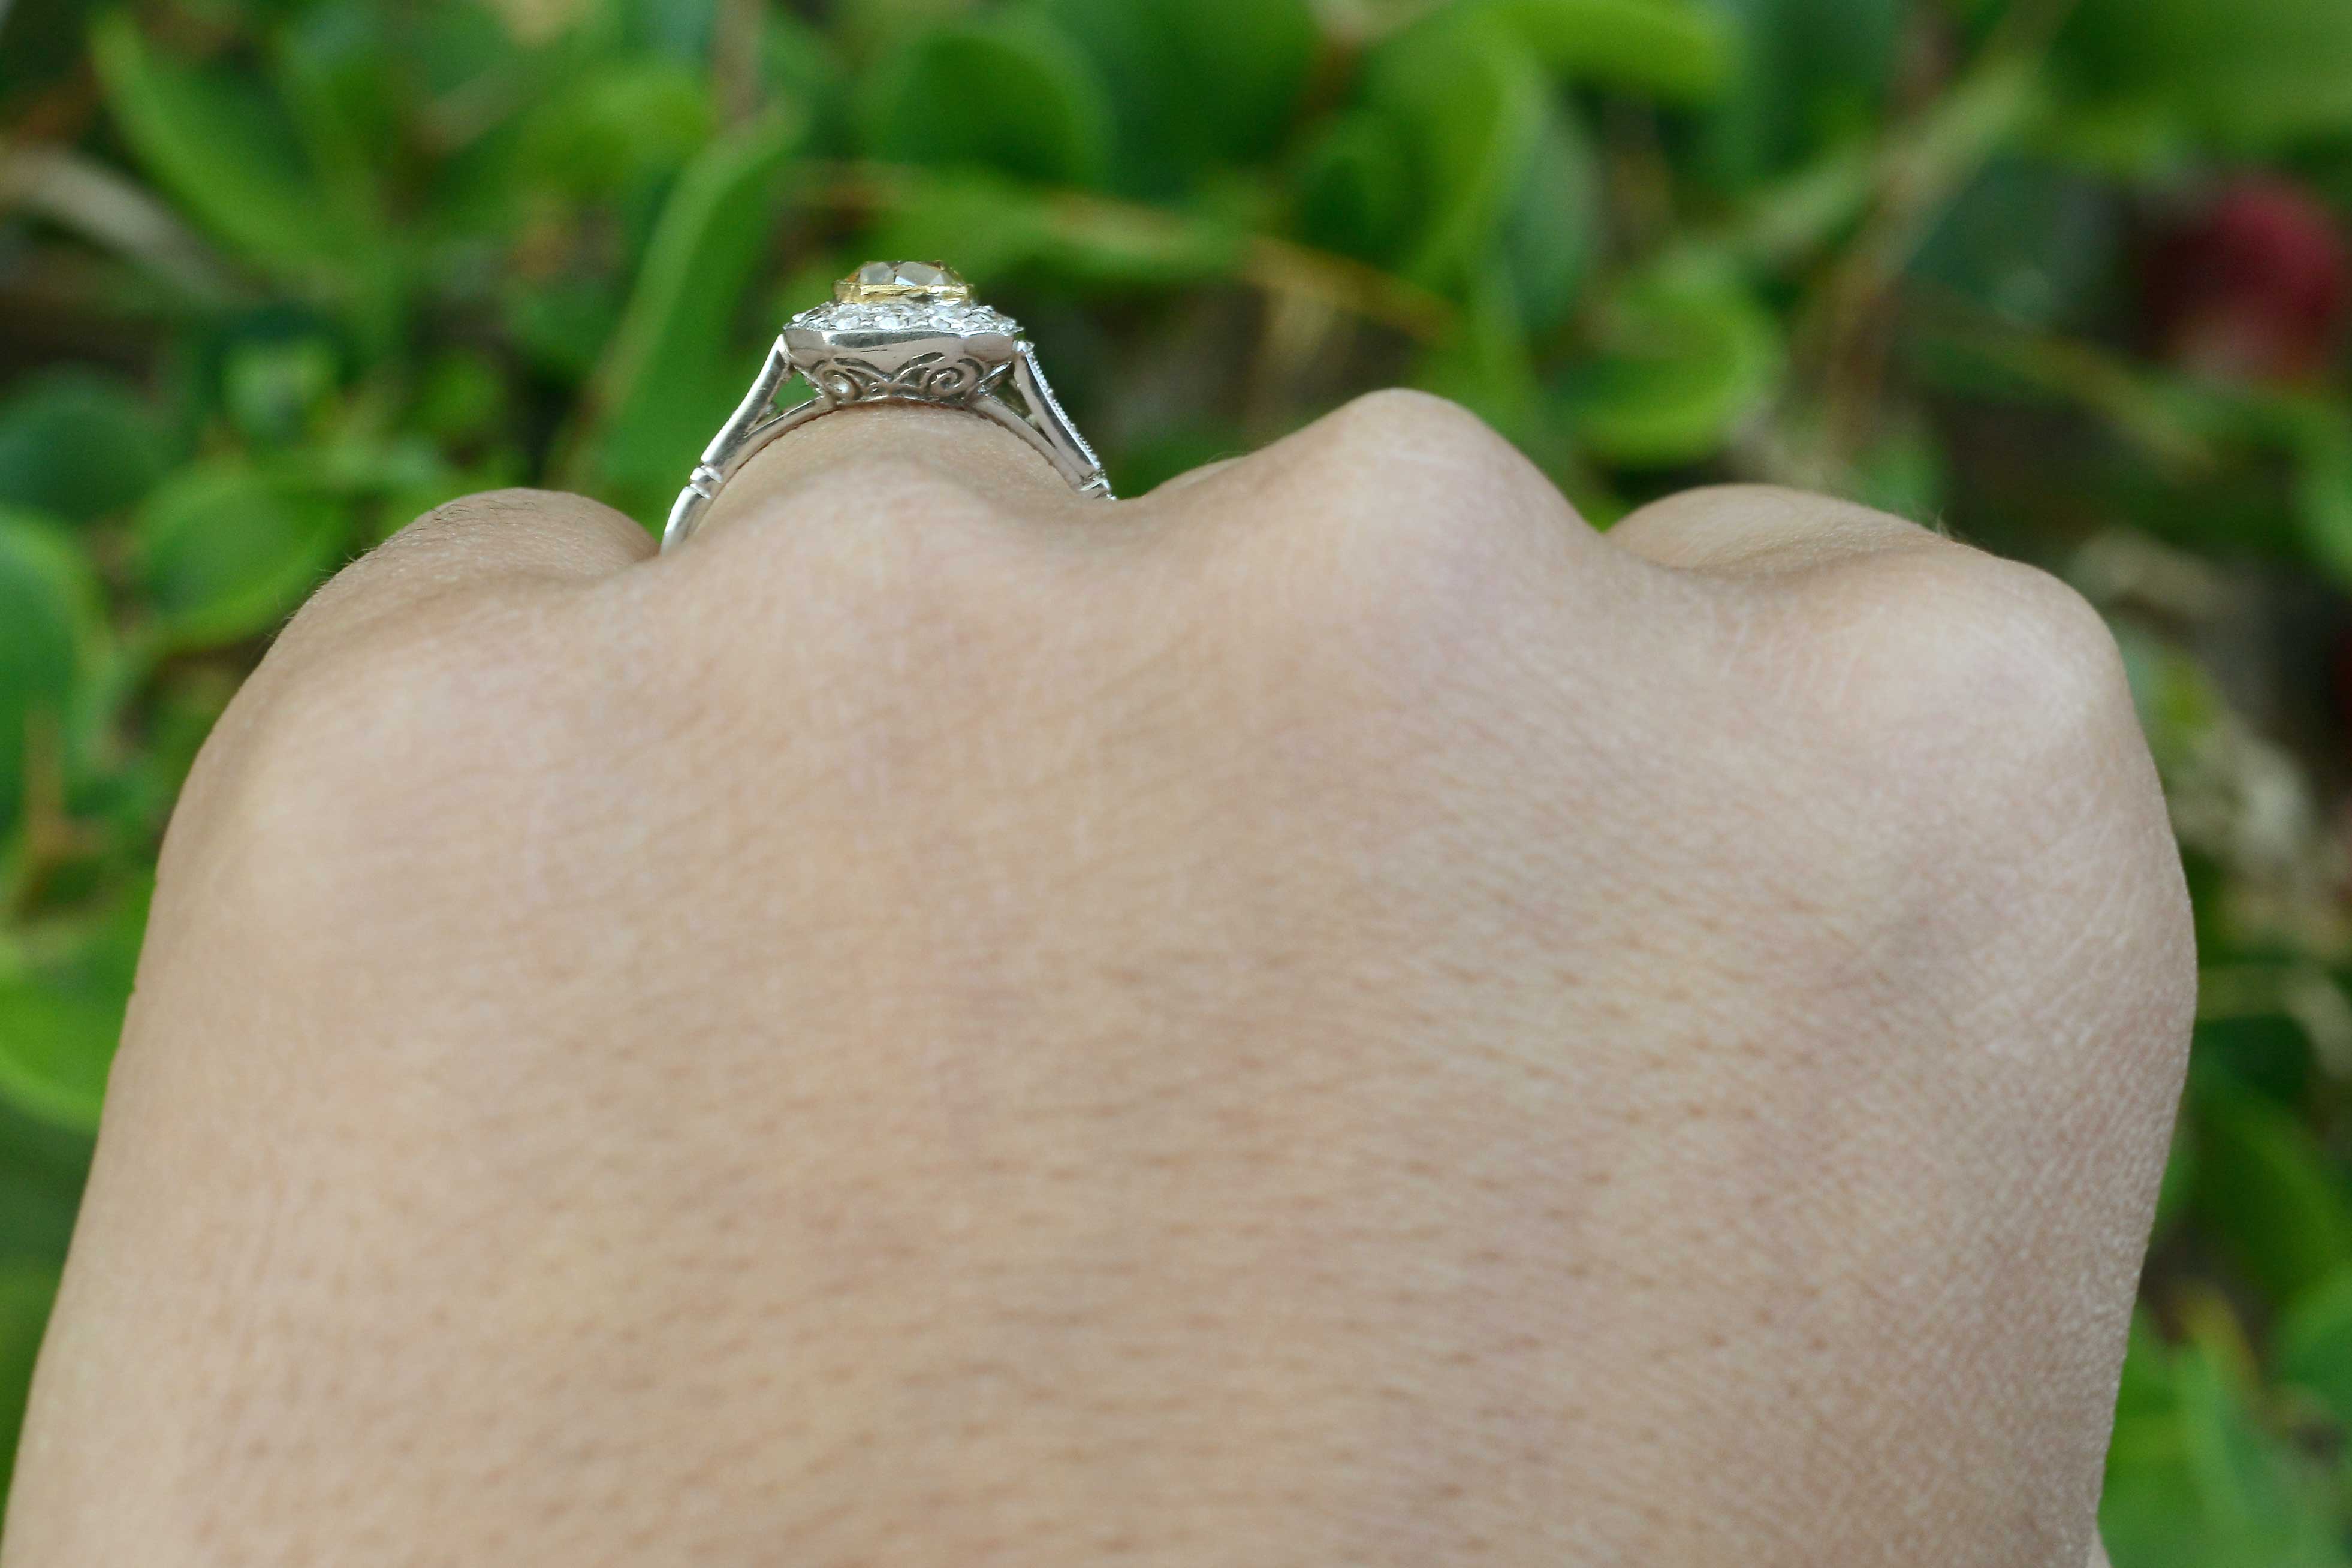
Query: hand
[(1327, 1014)]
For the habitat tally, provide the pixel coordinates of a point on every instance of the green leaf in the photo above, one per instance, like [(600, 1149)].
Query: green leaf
[(2265, 1190), (672, 370), (2179, 1187), (1487, 367), (1903, 470), (613, 126), (2314, 1343), (42, 1168), (2144, 1389), (1689, 354), (337, 73), (462, 397), (868, 28), (2323, 493), (799, 66), (455, 45), (1193, 84), (60, 1020), (221, 145), (1549, 229), (2260, 1503), (1509, 179), (1356, 187), (27, 1290), (2036, 244), (226, 550), (561, 325), (55, 1049), (1007, 91), (681, 29), (274, 389), (1806, 76), (44, 46), (1670, 48), (78, 444), (51, 621), (2149, 1514), (2252, 75), (2194, 1481)]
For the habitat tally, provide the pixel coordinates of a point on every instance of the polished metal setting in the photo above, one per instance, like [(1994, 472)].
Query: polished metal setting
[(901, 331)]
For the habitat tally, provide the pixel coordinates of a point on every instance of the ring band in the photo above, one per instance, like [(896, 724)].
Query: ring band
[(896, 332)]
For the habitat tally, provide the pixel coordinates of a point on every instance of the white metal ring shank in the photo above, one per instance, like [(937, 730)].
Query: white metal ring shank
[(754, 424)]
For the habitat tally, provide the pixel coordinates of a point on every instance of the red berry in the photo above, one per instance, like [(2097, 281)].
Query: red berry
[(2255, 287)]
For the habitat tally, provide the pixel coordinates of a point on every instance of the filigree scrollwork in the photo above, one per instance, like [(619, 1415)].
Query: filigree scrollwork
[(935, 377)]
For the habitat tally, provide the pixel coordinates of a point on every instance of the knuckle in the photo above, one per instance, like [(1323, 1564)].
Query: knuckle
[(377, 585), (1758, 530), (511, 501), (1404, 512), (1961, 660), (1398, 419), (1400, 443), (367, 715), (1982, 738), (364, 758), (1979, 776)]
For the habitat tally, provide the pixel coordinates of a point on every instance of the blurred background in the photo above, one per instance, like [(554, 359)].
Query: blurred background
[(2067, 278)]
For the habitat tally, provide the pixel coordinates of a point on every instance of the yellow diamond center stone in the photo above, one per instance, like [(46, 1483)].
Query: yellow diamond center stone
[(901, 280)]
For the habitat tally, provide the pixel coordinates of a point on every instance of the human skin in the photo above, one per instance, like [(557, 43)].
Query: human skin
[(1328, 1015)]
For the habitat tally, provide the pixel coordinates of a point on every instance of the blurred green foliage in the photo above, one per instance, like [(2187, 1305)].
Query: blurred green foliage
[(2066, 277)]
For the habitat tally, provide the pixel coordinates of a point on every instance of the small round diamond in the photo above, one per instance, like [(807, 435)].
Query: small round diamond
[(961, 316)]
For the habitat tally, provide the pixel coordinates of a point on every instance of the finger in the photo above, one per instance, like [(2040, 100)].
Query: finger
[(1396, 453), (1749, 531), (965, 448), (468, 547)]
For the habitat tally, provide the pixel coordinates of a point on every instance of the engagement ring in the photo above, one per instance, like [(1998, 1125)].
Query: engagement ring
[(898, 331)]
